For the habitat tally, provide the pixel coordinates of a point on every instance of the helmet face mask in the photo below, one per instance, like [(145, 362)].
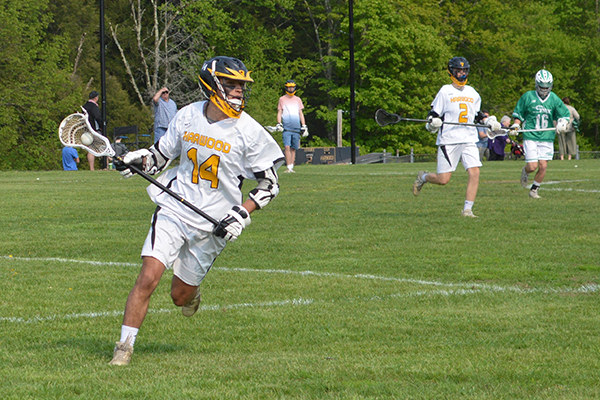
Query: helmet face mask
[(459, 68), (543, 83), (290, 87), (217, 80)]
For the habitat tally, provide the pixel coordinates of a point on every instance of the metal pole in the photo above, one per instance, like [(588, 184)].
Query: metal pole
[(103, 69), (352, 93)]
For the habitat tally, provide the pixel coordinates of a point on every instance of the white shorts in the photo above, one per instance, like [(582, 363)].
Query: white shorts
[(449, 154), (536, 151), (188, 251)]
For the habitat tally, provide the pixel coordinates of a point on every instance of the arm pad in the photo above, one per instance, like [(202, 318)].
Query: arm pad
[(267, 188), (156, 162)]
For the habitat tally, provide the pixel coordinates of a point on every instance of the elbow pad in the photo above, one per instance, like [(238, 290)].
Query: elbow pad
[(267, 188)]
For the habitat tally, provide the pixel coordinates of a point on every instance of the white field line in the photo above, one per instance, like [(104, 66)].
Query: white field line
[(570, 190), (559, 182), (451, 289)]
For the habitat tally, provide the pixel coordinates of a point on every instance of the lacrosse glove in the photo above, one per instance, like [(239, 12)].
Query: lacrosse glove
[(232, 224), (304, 130), (562, 125), (493, 123), (434, 124), (139, 158)]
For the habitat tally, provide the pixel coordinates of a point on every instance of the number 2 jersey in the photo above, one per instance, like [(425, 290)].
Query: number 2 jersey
[(214, 160), (455, 105), (536, 113)]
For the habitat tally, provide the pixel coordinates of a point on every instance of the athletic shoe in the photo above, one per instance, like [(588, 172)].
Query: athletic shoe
[(468, 213), (419, 183), (190, 308), (123, 352), (534, 194), (524, 178), (290, 171)]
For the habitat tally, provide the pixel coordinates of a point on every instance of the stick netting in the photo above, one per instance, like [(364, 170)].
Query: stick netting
[(384, 118), (74, 126)]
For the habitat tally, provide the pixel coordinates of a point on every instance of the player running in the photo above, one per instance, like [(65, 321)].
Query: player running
[(218, 146), (456, 102), (538, 109)]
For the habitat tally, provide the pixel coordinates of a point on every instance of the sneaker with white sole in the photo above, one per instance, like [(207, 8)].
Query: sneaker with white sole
[(190, 308), (533, 193), (418, 185), (468, 213), (123, 352), (524, 178)]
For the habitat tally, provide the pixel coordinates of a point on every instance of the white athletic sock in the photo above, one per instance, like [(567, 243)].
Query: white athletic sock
[(424, 177), (126, 331), (469, 204), (290, 166)]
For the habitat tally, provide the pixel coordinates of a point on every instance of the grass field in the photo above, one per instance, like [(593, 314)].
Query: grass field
[(345, 287)]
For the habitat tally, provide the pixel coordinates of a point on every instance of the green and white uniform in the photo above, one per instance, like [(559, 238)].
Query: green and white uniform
[(536, 113)]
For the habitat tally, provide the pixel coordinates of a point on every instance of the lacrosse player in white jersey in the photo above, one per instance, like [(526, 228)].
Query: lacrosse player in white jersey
[(459, 103), (218, 145)]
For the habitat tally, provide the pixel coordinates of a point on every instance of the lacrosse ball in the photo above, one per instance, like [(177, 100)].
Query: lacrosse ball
[(87, 139), (576, 166)]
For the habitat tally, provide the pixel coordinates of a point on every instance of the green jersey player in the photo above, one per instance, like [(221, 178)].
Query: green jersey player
[(538, 109)]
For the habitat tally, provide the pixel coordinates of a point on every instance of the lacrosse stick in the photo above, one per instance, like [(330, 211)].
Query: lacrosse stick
[(502, 132), (272, 129), (165, 189), (384, 118), (76, 125)]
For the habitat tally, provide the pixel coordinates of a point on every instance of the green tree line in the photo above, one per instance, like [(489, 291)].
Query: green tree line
[(51, 61)]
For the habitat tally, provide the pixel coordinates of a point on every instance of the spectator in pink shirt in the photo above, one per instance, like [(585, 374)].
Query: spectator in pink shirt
[(290, 121)]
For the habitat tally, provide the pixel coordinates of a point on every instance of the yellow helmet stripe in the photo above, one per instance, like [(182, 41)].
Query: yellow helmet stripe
[(235, 75)]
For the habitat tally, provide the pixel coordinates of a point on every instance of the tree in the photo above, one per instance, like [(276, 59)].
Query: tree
[(35, 89)]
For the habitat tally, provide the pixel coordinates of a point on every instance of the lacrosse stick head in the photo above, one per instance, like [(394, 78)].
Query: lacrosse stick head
[(76, 125), (494, 134), (384, 118)]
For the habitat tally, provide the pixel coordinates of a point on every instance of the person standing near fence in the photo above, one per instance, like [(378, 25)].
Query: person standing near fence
[(497, 145), (164, 111), (95, 120), (290, 121), (567, 142)]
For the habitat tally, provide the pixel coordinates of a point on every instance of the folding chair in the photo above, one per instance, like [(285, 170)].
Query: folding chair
[(129, 135)]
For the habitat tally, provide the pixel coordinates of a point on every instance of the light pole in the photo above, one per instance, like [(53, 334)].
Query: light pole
[(103, 69), (352, 94)]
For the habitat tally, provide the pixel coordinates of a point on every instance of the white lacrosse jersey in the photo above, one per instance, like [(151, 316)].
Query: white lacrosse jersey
[(214, 160), (454, 105)]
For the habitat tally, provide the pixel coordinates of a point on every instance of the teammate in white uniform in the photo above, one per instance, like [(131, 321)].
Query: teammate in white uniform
[(218, 146), (457, 102)]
